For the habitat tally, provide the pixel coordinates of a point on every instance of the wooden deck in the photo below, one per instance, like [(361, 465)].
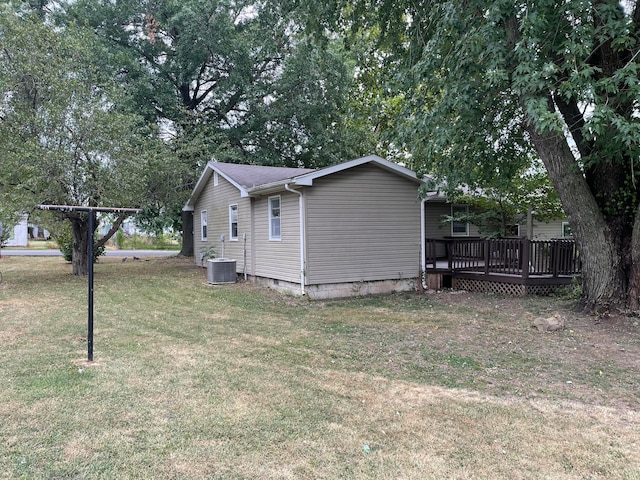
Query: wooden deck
[(515, 261)]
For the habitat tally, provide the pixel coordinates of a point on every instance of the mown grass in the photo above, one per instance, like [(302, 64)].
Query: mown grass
[(228, 382)]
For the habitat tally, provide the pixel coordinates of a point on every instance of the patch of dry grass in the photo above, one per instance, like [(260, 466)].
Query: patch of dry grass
[(193, 381)]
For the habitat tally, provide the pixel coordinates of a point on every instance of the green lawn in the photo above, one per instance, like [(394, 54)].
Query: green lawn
[(195, 381)]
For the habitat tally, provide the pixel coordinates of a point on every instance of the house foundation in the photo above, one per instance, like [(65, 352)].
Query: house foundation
[(359, 289), (340, 290)]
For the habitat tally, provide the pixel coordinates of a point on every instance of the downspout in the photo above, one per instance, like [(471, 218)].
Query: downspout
[(302, 239), (423, 245)]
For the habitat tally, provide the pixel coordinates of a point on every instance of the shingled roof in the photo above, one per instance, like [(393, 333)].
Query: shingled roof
[(250, 176), (260, 180)]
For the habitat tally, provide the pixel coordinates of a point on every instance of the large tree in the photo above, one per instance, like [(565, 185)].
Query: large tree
[(62, 136), (485, 82), (242, 78), (237, 80)]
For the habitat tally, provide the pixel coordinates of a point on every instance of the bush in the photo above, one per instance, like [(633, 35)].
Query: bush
[(207, 253), (64, 239), (120, 238)]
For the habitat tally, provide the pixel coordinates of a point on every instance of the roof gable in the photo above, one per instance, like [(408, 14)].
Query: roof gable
[(243, 177), (259, 180), (308, 178)]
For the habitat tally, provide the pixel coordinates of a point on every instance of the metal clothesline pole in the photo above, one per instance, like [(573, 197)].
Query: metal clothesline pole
[(90, 288), (92, 211)]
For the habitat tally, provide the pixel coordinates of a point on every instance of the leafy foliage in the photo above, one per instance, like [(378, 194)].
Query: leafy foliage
[(239, 79), (8, 220), (64, 239), (65, 139), (487, 85)]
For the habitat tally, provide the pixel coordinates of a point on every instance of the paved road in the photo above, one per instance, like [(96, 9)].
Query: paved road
[(109, 253)]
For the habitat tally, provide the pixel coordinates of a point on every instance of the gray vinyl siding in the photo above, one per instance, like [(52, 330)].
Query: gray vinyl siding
[(279, 259), (433, 214), (434, 227), (544, 230), (216, 200), (362, 224)]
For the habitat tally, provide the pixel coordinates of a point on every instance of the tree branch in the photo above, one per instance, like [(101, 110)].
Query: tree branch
[(575, 122), (114, 228)]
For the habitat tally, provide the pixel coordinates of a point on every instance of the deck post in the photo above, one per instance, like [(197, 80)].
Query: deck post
[(555, 258), (487, 256), (525, 248), (450, 246)]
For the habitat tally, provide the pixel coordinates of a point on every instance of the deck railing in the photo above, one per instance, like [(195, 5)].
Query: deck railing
[(508, 256)]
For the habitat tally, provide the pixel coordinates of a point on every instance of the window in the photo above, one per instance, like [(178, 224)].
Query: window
[(233, 222), (566, 230), (203, 225), (512, 230), (274, 218), (215, 179), (459, 228)]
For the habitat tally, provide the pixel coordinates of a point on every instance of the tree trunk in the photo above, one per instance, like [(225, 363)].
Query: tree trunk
[(604, 274), (80, 230), (187, 234), (634, 280)]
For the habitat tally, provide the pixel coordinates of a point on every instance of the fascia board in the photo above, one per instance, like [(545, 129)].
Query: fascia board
[(308, 178), (435, 197), (197, 190), (209, 169)]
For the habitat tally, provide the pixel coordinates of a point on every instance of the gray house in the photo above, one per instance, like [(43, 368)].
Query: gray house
[(438, 207), (349, 229)]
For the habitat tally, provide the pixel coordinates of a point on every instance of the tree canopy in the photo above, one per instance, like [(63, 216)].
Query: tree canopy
[(238, 81), (63, 139), (485, 84), (90, 86), (240, 78)]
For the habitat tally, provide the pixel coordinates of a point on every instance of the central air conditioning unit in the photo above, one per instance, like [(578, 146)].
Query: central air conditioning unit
[(221, 270)]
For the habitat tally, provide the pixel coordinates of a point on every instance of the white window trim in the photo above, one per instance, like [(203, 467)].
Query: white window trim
[(457, 234), (562, 235), (203, 225), (518, 228), (215, 179), (231, 237), (271, 236)]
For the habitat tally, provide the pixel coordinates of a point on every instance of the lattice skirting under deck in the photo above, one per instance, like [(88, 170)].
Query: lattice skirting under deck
[(472, 285)]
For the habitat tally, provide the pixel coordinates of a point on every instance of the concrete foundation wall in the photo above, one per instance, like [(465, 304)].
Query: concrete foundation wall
[(340, 290)]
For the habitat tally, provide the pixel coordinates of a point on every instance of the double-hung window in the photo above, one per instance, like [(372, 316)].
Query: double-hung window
[(203, 225), (233, 222), (274, 218), (459, 226), (566, 230)]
